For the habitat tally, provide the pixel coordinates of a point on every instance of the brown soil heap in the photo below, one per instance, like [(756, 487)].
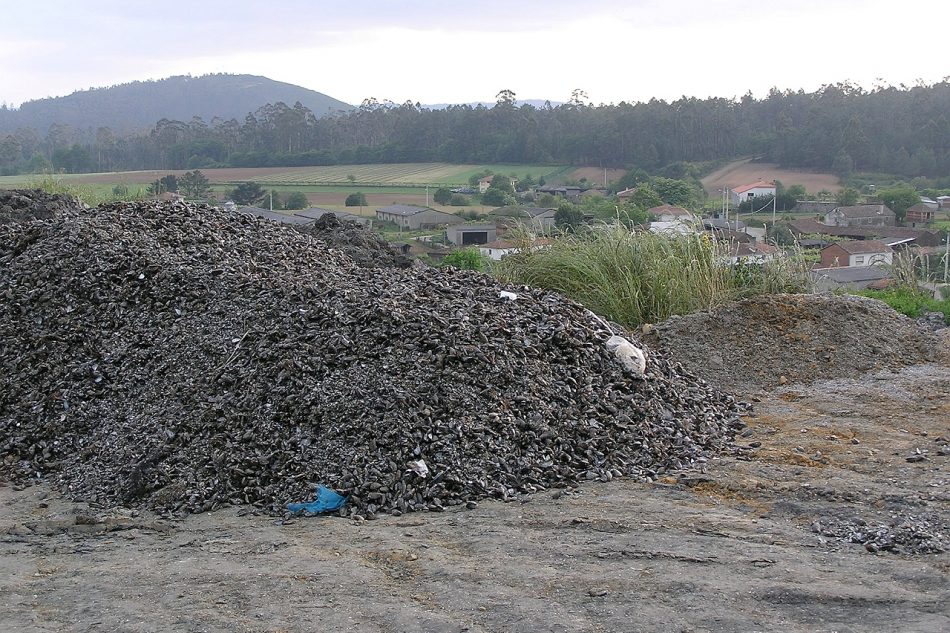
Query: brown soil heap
[(749, 344)]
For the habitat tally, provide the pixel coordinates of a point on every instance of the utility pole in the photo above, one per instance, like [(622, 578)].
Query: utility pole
[(946, 260)]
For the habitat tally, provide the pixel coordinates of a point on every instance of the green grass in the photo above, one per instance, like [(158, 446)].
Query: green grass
[(548, 172), (89, 193), (910, 302), (637, 278), (341, 189), (383, 178), (396, 174)]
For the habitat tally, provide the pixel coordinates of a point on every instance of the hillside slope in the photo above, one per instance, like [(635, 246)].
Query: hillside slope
[(138, 105)]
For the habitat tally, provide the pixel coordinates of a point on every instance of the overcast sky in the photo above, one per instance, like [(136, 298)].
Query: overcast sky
[(431, 51)]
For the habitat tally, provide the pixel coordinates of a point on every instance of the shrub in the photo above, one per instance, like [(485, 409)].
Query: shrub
[(357, 199), (494, 197), (442, 196), (296, 200), (466, 259)]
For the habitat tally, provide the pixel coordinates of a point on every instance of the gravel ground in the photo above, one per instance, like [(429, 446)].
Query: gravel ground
[(732, 547)]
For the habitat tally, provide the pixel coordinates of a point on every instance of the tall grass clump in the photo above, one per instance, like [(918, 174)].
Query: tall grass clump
[(87, 194), (788, 273), (626, 277), (51, 183), (636, 278)]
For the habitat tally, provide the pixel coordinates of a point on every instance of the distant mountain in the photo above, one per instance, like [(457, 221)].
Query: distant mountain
[(537, 103), (138, 105)]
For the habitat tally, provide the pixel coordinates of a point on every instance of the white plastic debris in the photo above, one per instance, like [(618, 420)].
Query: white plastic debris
[(510, 296), (419, 467), (630, 356)]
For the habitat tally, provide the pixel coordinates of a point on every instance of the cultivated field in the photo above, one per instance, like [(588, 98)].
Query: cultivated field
[(594, 175), (383, 175), (745, 172)]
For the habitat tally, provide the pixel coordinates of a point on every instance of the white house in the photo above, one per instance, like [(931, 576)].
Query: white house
[(500, 248), (672, 227), (485, 182), (671, 213), (748, 192), (748, 253)]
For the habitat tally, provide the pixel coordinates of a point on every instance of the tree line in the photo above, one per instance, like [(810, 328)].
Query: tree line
[(841, 127)]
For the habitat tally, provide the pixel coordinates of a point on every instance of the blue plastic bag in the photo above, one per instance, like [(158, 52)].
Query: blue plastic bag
[(326, 501)]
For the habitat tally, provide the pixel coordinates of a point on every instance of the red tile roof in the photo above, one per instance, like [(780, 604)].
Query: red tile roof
[(755, 185), (861, 247)]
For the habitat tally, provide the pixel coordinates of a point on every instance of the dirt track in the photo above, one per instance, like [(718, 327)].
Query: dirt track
[(745, 546)]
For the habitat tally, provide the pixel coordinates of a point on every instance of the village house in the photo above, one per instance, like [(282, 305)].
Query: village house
[(920, 214), (850, 278), (471, 234), (416, 248), (861, 215), (671, 213), (315, 213), (412, 218), (502, 248), (943, 202), (673, 227), (571, 193), (856, 253), (275, 216), (920, 237), (537, 219), (818, 207), (748, 252), (745, 193), (485, 182), (171, 196)]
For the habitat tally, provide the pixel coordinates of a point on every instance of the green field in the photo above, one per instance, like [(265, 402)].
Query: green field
[(401, 175), (395, 177)]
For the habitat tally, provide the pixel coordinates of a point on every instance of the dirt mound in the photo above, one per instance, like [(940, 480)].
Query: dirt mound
[(182, 358), (750, 344), (23, 205), (365, 248)]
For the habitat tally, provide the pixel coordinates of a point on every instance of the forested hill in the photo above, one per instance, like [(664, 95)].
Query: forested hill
[(138, 105), (841, 127)]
